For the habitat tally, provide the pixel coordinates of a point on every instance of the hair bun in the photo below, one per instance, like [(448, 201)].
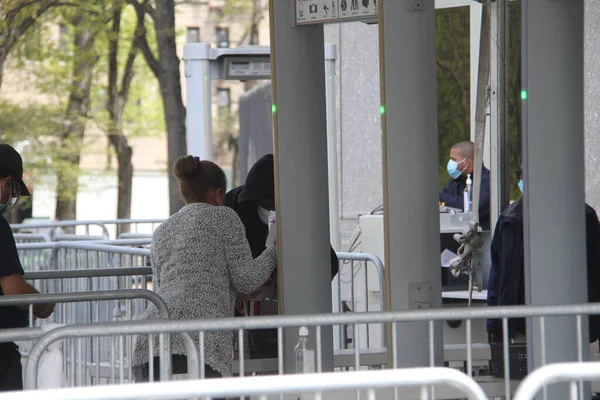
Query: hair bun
[(187, 168)]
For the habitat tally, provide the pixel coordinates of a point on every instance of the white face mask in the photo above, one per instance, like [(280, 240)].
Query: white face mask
[(263, 214)]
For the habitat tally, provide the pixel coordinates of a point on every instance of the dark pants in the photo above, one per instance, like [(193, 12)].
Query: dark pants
[(11, 377), (179, 366)]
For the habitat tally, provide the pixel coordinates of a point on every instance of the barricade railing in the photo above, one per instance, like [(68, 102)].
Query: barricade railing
[(83, 355), (573, 373), (97, 279), (54, 227), (355, 291), (31, 238), (135, 236), (91, 227), (420, 380), (321, 325), (78, 255), (69, 237)]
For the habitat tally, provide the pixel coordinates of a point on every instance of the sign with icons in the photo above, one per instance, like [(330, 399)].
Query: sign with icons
[(329, 11)]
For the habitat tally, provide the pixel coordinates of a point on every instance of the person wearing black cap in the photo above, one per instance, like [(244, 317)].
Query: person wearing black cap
[(252, 202), (12, 188)]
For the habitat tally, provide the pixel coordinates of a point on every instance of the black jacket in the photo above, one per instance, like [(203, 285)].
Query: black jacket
[(452, 195), (244, 200), (506, 284)]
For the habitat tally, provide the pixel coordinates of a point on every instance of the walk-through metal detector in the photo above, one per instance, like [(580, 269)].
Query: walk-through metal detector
[(553, 116), (204, 64)]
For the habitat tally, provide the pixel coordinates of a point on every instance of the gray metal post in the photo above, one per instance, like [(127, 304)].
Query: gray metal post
[(499, 53), (302, 193), (410, 181), (332, 147), (555, 255), (196, 58)]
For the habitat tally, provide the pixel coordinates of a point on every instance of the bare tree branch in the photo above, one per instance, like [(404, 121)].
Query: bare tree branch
[(140, 37), (13, 32), (113, 49), (128, 73)]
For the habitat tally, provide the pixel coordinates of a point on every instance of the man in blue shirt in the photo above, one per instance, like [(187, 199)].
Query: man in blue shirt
[(12, 188), (460, 165)]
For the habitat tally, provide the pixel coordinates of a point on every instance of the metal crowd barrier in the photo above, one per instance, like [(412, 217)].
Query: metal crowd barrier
[(92, 227), (88, 354), (31, 238), (420, 380), (135, 236), (318, 322), (92, 280), (574, 373), (352, 296), (72, 255), (50, 228)]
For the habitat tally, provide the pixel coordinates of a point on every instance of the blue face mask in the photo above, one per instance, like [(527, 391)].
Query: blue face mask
[(452, 168), (521, 185)]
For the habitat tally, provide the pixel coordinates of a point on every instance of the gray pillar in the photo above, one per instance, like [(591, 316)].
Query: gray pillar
[(553, 147), (499, 118), (302, 195), (410, 180)]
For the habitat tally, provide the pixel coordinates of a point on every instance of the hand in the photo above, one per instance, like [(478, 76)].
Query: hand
[(43, 311), (239, 306)]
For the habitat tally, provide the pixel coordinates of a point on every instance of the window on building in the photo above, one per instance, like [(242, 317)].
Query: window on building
[(222, 37), (223, 101), (63, 38), (193, 34)]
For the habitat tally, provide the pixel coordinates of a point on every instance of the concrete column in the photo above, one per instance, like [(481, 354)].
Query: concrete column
[(196, 57), (302, 193), (410, 177), (554, 155)]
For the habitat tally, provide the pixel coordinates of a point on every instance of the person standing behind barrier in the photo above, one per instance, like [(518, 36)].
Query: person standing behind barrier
[(252, 202), (507, 282), (12, 188), (200, 258)]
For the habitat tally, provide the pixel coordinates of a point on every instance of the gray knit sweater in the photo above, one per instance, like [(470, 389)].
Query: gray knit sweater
[(200, 258)]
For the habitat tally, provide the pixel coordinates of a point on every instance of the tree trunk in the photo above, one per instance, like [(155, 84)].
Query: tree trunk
[(166, 69), (117, 99), (3, 56), (125, 177), (170, 88), (76, 116)]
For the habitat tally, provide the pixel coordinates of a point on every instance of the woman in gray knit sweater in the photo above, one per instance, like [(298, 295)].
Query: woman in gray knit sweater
[(200, 258)]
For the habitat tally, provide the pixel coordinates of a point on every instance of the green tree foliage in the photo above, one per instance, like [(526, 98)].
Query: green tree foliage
[(16, 18), (64, 62)]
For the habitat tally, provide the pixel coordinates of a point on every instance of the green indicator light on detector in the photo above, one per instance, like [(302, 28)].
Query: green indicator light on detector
[(523, 94), (273, 108), (381, 110)]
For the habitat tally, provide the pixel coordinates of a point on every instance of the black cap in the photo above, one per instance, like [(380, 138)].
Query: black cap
[(11, 160)]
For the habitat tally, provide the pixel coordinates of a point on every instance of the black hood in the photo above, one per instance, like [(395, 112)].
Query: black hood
[(260, 183)]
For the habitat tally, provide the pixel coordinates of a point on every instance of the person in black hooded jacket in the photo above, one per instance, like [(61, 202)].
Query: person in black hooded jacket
[(506, 283), (254, 200)]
